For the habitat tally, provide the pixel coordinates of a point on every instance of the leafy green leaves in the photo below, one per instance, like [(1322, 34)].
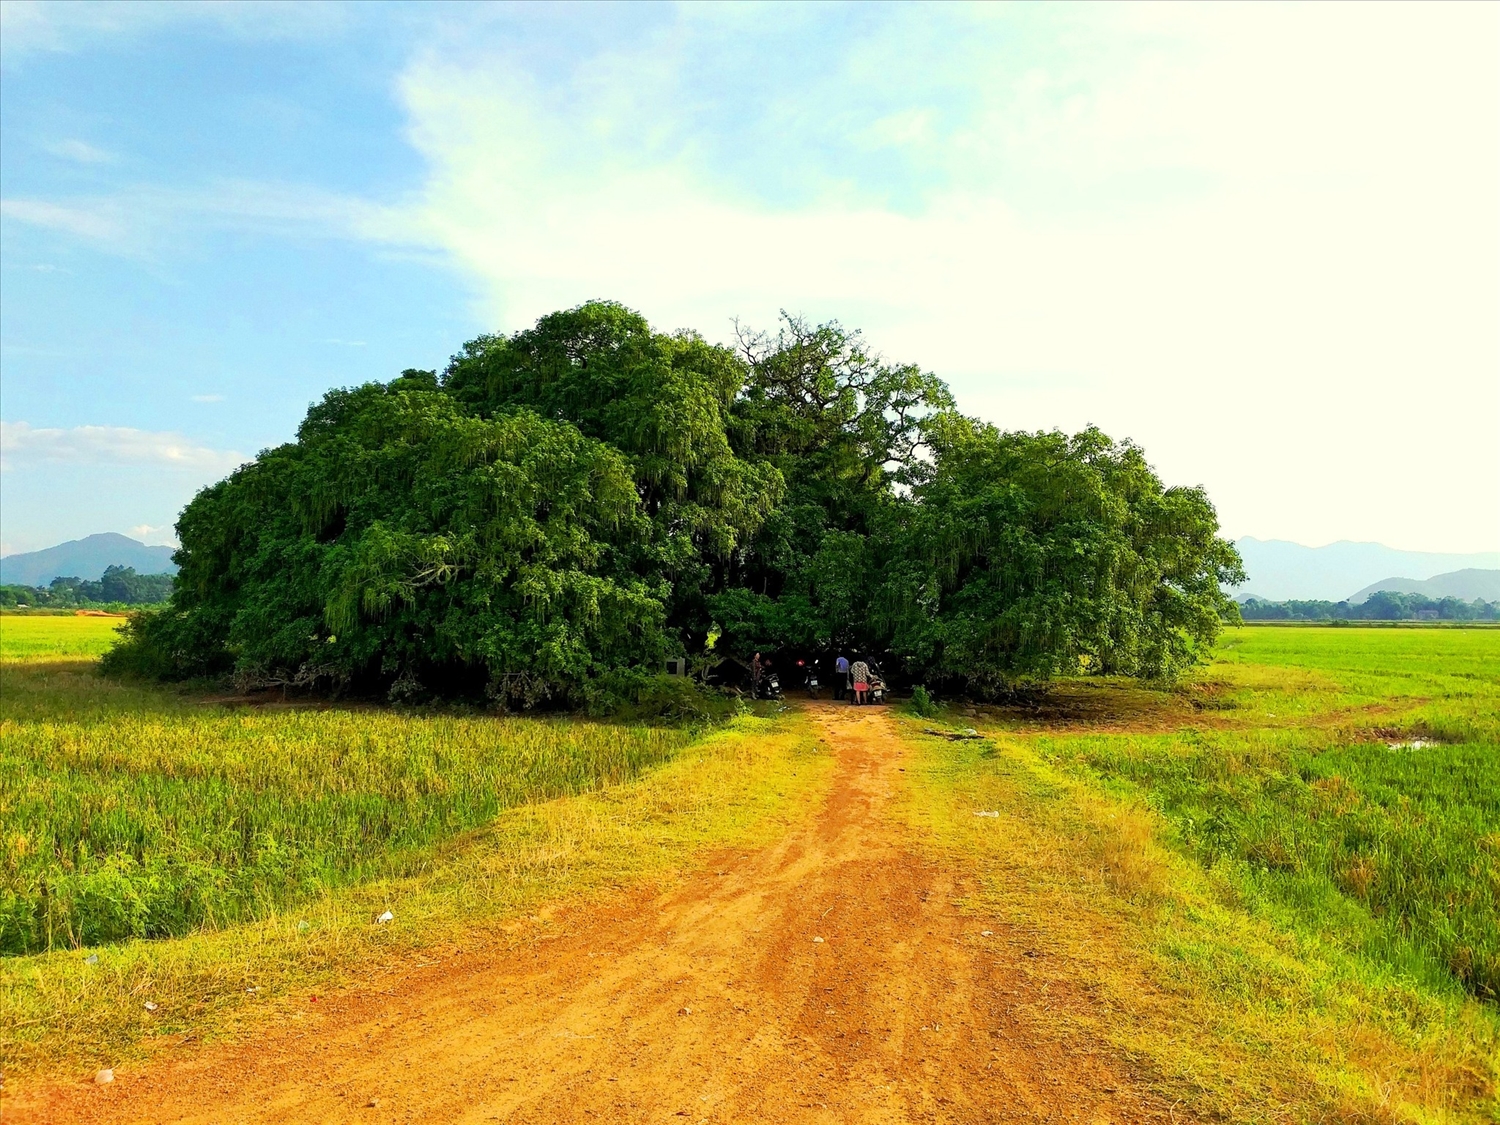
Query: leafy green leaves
[(569, 504), (1031, 555), (401, 539)]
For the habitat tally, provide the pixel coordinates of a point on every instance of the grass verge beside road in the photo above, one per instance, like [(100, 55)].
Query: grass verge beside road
[(1282, 916)]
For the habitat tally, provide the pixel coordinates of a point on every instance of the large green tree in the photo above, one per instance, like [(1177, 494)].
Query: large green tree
[(404, 543), (566, 505)]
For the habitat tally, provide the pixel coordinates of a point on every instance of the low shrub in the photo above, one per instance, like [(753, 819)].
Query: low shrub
[(922, 702)]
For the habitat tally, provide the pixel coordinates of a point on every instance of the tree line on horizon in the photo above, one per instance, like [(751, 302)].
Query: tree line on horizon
[(563, 508), (117, 586), (1382, 605)]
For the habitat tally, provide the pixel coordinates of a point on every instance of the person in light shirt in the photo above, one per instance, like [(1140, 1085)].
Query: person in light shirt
[(841, 670), (860, 674)]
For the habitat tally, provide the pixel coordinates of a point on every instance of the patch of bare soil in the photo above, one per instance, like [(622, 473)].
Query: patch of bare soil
[(825, 978), (1104, 706)]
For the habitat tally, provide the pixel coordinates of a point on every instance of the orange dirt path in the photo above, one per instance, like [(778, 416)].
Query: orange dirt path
[(710, 1002)]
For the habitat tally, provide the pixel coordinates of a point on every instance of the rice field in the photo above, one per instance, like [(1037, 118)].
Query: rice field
[(139, 813), (1351, 786), (27, 638)]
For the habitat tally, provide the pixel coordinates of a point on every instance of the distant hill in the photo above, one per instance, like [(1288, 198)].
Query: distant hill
[(1279, 570), (1465, 584), (85, 558)]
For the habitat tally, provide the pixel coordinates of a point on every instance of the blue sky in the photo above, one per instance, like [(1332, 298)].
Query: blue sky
[(1262, 240)]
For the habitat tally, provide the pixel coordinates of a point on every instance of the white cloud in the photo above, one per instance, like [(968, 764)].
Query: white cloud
[(23, 445), (154, 536), (208, 398), (94, 223), (1259, 239), (146, 220), (28, 26), (80, 151), (1256, 240)]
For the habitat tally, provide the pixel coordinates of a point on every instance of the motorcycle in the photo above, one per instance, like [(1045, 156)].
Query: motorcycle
[(877, 686), (773, 685), (809, 679)]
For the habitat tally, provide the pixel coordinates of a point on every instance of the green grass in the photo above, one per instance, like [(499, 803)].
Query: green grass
[(130, 812), (55, 637), (132, 817), (1290, 918), (1300, 796)]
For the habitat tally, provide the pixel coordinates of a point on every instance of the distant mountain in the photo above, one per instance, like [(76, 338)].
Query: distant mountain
[(1465, 584), (1279, 570), (85, 558)]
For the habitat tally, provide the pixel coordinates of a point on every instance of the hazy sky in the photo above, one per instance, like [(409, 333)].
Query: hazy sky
[(1261, 240)]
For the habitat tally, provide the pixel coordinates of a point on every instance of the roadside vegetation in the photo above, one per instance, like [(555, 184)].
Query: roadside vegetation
[(264, 843), (1282, 880)]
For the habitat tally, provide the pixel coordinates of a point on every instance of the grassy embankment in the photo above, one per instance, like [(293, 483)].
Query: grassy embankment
[(257, 844), (1280, 916)]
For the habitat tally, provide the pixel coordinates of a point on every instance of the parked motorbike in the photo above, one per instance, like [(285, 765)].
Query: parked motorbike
[(877, 685), (809, 679), (773, 685)]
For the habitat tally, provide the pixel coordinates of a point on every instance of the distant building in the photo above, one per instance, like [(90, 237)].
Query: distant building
[(1427, 615)]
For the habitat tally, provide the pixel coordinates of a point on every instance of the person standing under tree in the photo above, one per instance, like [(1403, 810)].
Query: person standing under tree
[(860, 674), (755, 667), (841, 670)]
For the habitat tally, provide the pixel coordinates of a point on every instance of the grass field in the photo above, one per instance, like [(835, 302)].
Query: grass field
[(1293, 909), (51, 637), (269, 837), (1278, 883), (131, 813), (1374, 818)]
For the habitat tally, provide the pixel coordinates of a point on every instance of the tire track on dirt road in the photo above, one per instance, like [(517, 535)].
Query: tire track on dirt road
[(712, 1002)]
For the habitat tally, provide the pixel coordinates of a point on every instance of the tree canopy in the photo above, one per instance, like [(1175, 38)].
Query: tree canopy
[(564, 507)]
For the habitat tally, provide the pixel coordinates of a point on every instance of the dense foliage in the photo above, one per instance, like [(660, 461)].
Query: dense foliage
[(1383, 605), (118, 585), (566, 506), (1024, 554)]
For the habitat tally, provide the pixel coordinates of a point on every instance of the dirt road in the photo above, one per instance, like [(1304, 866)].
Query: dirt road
[(715, 1001)]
